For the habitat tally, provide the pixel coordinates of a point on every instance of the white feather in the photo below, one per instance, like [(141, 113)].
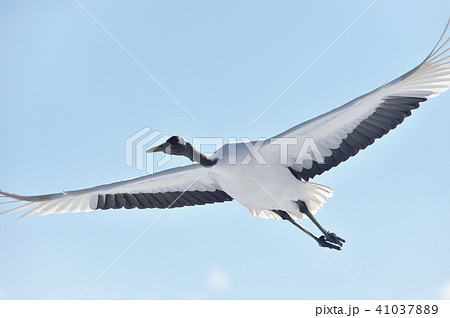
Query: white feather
[(194, 177)]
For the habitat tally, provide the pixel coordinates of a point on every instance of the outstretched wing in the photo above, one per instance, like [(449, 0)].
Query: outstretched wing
[(342, 132), (177, 187)]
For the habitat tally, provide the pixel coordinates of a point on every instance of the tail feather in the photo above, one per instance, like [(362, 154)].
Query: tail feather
[(316, 195), (268, 214)]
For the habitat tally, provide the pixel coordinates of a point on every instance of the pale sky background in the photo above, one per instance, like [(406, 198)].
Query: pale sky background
[(70, 97)]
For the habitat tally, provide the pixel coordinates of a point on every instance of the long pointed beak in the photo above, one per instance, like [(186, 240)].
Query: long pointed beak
[(157, 148)]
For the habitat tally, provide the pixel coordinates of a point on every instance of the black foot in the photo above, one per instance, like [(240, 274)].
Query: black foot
[(323, 243), (333, 238)]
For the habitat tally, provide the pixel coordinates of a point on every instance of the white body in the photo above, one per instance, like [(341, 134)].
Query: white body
[(262, 187)]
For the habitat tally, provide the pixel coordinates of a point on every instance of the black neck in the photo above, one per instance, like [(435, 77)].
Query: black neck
[(196, 156)]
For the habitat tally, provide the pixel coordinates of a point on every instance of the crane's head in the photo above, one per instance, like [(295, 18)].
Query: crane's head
[(178, 146), (175, 145)]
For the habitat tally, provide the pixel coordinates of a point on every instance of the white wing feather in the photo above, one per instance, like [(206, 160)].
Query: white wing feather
[(427, 80), (192, 177)]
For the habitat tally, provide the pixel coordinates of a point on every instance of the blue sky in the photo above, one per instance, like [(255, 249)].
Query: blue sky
[(70, 97)]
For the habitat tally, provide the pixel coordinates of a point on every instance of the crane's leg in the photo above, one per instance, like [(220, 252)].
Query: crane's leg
[(320, 240), (327, 236)]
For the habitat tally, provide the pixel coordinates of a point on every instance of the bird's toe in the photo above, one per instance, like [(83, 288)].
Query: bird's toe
[(323, 243), (333, 238)]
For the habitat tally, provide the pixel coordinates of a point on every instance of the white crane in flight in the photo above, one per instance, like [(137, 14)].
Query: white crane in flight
[(271, 182)]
